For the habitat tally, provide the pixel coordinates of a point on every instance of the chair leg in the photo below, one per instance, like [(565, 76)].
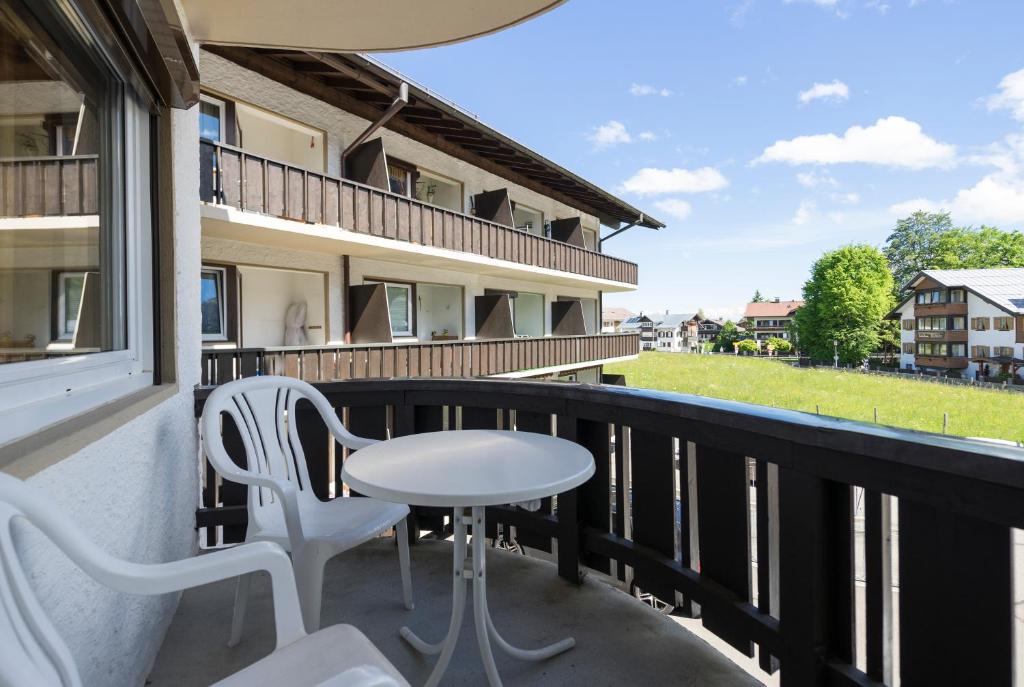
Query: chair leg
[(402, 532), (241, 601), (309, 578)]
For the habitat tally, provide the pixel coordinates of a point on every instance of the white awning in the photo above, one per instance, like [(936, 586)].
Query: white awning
[(353, 25)]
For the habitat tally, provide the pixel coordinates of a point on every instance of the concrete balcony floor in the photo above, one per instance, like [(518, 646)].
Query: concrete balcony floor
[(619, 641)]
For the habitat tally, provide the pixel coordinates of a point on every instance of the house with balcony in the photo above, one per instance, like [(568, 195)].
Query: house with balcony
[(644, 326), (963, 322), (134, 238), (355, 223), (769, 319)]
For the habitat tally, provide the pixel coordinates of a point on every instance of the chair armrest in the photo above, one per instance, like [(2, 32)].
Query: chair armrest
[(343, 436), (162, 578)]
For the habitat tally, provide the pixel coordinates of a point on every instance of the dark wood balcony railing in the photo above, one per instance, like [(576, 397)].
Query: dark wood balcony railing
[(691, 545), (476, 358), (233, 177), (49, 186)]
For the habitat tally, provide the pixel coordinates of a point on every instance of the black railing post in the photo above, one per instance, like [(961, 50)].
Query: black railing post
[(570, 516)]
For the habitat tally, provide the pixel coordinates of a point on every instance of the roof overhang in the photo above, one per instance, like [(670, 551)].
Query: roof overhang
[(367, 88), (353, 25)]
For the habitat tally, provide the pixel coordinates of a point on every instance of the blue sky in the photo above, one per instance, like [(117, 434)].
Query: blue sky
[(763, 132)]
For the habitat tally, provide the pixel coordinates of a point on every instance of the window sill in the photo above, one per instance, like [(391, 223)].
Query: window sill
[(32, 454)]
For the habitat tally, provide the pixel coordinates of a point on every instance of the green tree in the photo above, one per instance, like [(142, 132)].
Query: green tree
[(848, 294), (758, 298), (913, 245), (966, 248), (727, 337)]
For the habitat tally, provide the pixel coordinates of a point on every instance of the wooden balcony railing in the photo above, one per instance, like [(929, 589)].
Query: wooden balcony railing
[(49, 186), (233, 177), (686, 488), (476, 358)]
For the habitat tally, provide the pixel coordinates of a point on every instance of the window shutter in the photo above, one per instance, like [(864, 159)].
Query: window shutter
[(369, 317), (569, 230), (494, 206), (367, 164)]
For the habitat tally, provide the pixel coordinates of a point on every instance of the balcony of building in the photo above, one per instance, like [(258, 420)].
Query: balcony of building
[(251, 198), (770, 534)]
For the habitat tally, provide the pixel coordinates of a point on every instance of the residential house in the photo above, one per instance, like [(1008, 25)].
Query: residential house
[(137, 239), (672, 332), (963, 322), (420, 237), (770, 318), (612, 319), (644, 326)]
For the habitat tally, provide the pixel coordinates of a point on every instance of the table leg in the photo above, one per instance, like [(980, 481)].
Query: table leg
[(446, 646), (485, 630)]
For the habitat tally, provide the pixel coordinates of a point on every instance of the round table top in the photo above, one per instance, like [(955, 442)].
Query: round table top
[(473, 467)]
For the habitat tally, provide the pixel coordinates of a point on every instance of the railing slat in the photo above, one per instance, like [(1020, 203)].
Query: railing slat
[(653, 501), (956, 599)]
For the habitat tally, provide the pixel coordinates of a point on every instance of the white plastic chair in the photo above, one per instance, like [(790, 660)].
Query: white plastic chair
[(282, 506), (33, 653)]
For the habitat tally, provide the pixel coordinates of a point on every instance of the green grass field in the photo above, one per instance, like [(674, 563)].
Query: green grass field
[(901, 402)]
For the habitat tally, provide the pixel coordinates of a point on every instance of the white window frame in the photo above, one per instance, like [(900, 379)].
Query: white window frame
[(408, 305), (221, 105), (63, 333), (39, 393), (223, 290)]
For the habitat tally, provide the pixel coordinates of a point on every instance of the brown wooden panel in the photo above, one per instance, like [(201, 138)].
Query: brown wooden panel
[(390, 217), (493, 317), (51, 188), (416, 223), (377, 214), (368, 311), (348, 207), (367, 164), (567, 318), (332, 202), (362, 211), (90, 187), (314, 198), (296, 206), (494, 206), (230, 177), (252, 193), (275, 189), (404, 212)]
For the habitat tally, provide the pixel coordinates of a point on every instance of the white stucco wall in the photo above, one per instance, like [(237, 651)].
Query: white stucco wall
[(906, 336), (238, 252), (979, 307), (228, 79), (473, 285), (135, 490)]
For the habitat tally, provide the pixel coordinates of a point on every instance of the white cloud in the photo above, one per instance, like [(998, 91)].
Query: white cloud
[(1010, 95), (647, 89), (819, 3), (675, 208), (995, 199), (891, 141), (846, 198), (740, 80), (814, 179), (836, 91), (610, 133), (654, 181), (647, 136), (804, 212)]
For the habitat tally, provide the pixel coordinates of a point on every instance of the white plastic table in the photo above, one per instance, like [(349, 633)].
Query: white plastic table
[(468, 470)]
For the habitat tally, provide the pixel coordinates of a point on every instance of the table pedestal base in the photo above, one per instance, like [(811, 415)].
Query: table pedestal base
[(475, 568)]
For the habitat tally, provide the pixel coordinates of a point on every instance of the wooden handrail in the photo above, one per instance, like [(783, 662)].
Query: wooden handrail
[(267, 186), (683, 481)]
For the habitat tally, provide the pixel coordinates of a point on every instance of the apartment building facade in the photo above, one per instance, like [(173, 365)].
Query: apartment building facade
[(770, 319), (409, 241), (965, 322), (644, 326)]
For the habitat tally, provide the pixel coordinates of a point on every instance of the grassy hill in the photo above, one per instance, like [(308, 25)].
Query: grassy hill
[(901, 402)]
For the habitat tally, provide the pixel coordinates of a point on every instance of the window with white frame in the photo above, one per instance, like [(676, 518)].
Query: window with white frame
[(213, 303), (69, 301), (211, 118), (76, 304), (400, 303)]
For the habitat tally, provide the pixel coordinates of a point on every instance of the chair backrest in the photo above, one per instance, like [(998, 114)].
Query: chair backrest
[(31, 650), (263, 411)]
